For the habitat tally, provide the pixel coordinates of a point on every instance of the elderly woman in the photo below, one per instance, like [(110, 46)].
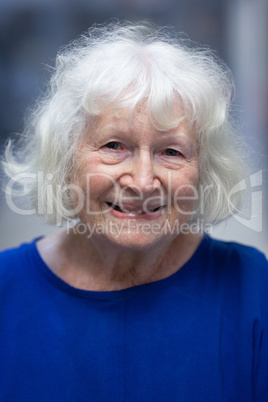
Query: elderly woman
[(133, 147)]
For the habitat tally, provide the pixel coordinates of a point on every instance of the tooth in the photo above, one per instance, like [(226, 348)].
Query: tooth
[(133, 212)]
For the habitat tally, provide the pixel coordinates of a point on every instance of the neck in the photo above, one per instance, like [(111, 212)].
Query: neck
[(90, 265)]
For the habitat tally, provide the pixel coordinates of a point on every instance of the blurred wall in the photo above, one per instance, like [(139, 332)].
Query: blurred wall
[(32, 31)]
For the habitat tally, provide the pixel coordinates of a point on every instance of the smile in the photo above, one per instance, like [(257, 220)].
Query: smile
[(134, 210)]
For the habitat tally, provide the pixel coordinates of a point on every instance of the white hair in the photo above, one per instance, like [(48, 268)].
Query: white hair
[(125, 64)]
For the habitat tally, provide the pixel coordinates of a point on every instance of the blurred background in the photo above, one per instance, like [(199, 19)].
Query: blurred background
[(31, 32)]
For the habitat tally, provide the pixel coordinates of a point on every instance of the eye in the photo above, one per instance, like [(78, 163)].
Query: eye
[(172, 152), (113, 145)]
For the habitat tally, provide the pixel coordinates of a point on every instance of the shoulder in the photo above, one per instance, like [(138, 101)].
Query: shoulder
[(15, 261), (242, 273), (235, 265), (10, 255), (235, 253), (242, 269)]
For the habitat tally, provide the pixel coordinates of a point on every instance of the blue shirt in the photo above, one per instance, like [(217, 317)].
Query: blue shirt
[(199, 335)]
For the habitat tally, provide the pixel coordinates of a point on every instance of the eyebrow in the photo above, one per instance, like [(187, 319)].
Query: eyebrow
[(115, 129)]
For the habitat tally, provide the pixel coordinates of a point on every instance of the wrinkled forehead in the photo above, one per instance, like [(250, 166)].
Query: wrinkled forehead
[(115, 120)]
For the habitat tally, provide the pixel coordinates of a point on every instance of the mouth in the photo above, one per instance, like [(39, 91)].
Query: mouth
[(135, 210)]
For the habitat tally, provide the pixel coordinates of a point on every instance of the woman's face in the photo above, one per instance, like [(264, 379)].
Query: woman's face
[(136, 185)]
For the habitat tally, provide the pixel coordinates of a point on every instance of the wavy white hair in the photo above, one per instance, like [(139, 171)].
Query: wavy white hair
[(125, 64)]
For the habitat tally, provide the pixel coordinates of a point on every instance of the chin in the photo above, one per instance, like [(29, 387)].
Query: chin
[(134, 242)]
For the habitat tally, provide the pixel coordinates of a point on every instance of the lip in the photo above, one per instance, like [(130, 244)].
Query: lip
[(130, 211)]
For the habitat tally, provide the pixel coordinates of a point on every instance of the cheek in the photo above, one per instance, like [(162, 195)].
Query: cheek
[(185, 180), (97, 186), (89, 166), (184, 190), (87, 172), (89, 190)]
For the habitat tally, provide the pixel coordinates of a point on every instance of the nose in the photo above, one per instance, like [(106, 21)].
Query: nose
[(141, 176)]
